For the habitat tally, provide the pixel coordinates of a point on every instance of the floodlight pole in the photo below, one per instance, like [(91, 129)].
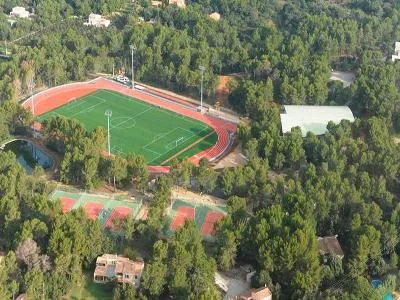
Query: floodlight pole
[(108, 113), (133, 73), (32, 87), (202, 69)]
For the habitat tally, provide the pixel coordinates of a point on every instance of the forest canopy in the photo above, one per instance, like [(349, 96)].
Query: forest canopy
[(290, 191)]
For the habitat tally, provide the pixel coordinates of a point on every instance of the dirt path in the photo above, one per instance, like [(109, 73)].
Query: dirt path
[(346, 77), (187, 148), (181, 193)]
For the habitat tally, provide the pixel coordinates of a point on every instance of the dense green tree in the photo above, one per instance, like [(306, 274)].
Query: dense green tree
[(137, 170), (155, 274), (206, 177)]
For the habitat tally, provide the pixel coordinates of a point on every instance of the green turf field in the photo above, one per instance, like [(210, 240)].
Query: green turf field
[(203, 145), (136, 126)]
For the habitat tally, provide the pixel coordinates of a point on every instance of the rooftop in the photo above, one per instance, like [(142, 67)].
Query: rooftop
[(117, 264), (256, 294), (330, 245), (397, 47), (215, 16), (313, 118)]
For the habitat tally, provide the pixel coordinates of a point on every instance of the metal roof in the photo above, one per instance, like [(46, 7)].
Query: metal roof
[(313, 118)]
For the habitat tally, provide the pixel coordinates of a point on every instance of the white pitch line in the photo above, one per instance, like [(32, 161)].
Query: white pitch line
[(145, 146), (130, 99), (87, 109), (132, 118)]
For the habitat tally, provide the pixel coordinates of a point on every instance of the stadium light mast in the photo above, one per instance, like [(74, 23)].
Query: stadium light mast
[(133, 48), (202, 69), (108, 114), (32, 88)]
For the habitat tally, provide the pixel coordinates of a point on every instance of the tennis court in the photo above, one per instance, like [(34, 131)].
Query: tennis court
[(182, 214), (109, 211), (67, 204), (135, 126), (204, 215), (93, 209), (117, 217)]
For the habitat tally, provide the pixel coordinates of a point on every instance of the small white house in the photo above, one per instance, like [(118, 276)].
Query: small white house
[(215, 16), (97, 21), (19, 12), (179, 3), (396, 55), (156, 3)]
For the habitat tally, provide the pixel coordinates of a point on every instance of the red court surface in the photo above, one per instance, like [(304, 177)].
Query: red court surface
[(183, 213), (55, 97), (93, 209), (117, 216), (211, 218), (66, 204)]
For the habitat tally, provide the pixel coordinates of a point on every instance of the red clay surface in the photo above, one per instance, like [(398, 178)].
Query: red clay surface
[(93, 209), (66, 204), (55, 97), (183, 213), (118, 215), (211, 218)]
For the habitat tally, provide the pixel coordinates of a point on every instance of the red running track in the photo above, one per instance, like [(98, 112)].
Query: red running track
[(50, 99)]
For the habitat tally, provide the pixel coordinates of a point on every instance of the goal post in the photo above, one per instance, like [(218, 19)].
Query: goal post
[(179, 140)]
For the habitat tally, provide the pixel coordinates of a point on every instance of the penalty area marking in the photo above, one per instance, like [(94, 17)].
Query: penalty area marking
[(88, 109), (124, 123)]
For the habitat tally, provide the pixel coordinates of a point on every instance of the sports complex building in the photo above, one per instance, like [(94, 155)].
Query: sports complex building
[(311, 118), (145, 121)]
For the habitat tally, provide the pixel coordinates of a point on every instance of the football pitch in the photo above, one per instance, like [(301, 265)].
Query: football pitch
[(135, 126)]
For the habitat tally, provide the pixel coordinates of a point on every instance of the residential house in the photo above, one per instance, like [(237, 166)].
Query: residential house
[(262, 293), (97, 21), (110, 267), (396, 55), (215, 16), (19, 12), (155, 3), (179, 3), (329, 245), (395, 295)]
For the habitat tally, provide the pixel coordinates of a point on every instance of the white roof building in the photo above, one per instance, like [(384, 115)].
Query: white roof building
[(215, 16), (156, 3), (313, 118), (179, 3), (97, 21), (19, 12), (396, 55)]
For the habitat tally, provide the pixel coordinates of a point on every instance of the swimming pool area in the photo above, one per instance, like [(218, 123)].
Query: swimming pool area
[(29, 155)]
